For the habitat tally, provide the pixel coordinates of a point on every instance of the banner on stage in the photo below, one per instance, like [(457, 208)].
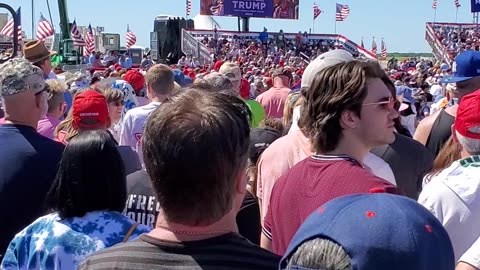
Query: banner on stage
[(277, 9)]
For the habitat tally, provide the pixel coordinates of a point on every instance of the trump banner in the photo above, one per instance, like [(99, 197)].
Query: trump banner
[(278, 9), (475, 6)]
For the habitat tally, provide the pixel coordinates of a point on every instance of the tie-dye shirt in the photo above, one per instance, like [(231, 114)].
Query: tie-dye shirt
[(54, 243)]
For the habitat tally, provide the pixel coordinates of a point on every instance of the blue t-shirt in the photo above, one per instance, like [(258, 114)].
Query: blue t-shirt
[(54, 243), (28, 165)]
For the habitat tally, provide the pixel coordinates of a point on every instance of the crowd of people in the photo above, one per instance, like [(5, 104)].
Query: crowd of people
[(254, 161), (456, 38)]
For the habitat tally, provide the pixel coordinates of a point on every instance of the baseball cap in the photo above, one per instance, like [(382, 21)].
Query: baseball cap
[(179, 77), (231, 70), (323, 61), (465, 67), (135, 79), (379, 231), (18, 75), (404, 93), (260, 139), (90, 110), (468, 115)]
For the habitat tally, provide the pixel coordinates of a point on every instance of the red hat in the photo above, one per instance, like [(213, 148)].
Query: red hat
[(244, 89), (468, 115), (269, 82), (90, 110), (135, 78), (217, 65)]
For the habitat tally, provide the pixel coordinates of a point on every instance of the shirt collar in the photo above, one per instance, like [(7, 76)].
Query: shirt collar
[(337, 158), (471, 161)]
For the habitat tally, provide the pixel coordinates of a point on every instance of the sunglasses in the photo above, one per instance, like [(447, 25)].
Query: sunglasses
[(119, 103), (390, 103), (46, 89)]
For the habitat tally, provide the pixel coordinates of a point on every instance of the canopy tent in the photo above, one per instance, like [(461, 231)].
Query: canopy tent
[(204, 22)]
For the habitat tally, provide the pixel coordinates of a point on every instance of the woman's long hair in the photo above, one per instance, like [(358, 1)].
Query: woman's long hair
[(91, 177), (449, 153)]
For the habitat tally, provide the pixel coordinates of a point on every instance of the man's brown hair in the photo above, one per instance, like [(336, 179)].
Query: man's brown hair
[(160, 79), (56, 93), (195, 146), (334, 90)]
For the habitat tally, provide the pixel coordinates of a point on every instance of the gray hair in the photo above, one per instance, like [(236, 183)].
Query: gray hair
[(220, 83), (321, 254), (471, 146)]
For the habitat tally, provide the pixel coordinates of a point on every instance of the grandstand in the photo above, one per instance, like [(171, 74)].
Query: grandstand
[(449, 39)]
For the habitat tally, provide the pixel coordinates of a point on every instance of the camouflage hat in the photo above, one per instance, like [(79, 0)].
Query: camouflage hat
[(18, 75)]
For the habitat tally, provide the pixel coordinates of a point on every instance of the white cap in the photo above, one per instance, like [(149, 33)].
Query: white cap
[(323, 61), (232, 71)]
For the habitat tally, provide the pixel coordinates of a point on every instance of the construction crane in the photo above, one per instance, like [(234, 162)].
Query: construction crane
[(70, 55)]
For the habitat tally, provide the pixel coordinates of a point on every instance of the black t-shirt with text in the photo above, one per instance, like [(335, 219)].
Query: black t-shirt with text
[(143, 207)]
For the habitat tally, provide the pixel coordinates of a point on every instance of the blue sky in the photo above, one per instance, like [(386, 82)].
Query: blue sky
[(401, 23)]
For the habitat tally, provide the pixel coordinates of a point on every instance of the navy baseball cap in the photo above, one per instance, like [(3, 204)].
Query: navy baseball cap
[(405, 94), (378, 231), (465, 67), (179, 77)]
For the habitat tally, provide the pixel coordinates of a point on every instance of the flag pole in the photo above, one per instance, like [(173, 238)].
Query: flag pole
[(313, 24), (33, 23), (456, 16), (335, 25), (435, 16)]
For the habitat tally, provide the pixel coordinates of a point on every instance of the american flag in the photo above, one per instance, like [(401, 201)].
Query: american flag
[(189, 7), (90, 41), (44, 29), (434, 5), (342, 12), (7, 30), (457, 3), (130, 38), (316, 11), (384, 50), (76, 36), (374, 47)]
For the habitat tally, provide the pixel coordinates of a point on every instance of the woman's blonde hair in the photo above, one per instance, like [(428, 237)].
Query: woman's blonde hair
[(290, 104), (112, 95)]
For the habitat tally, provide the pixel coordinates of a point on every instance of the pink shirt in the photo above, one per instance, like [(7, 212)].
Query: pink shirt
[(273, 101), (47, 125)]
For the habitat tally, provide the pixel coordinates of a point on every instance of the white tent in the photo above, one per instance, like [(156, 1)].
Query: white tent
[(204, 22)]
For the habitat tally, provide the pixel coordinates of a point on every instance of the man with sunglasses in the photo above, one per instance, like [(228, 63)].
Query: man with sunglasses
[(347, 111), (28, 160)]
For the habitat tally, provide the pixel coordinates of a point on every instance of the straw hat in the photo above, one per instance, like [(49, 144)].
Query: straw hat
[(35, 51)]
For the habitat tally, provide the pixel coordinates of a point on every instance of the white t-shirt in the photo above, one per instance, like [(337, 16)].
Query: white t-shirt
[(436, 90), (133, 125), (472, 255), (452, 196)]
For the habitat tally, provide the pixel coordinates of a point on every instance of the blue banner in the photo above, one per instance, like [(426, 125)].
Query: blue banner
[(278, 9), (475, 6)]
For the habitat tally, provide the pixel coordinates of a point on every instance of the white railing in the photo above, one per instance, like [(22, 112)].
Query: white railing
[(193, 47), (439, 51)]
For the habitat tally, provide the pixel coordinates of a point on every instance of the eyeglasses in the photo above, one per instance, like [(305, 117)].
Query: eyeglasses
[(390, 103), (45, 89), (119, 103)]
